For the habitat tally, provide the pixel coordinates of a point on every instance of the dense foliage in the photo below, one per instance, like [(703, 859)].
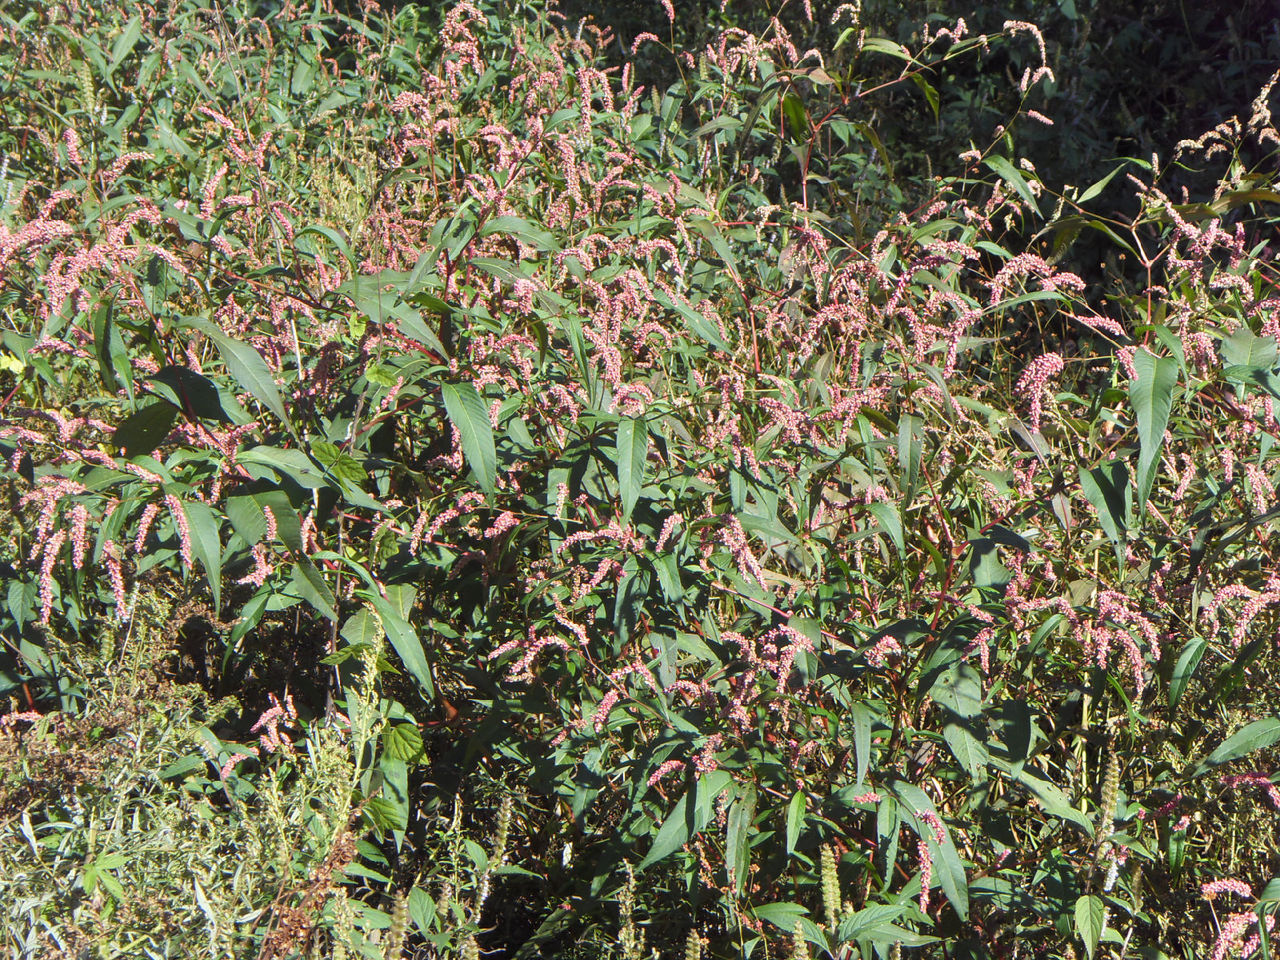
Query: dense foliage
[(464, 502)]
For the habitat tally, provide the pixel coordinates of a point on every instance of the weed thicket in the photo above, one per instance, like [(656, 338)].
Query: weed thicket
[(465, 503)]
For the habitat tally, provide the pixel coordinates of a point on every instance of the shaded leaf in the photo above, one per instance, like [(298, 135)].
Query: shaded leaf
[(968, 750), (1107, 488), (247, 513), (142, 432), (781, 915), (684, 821), (861, 739)]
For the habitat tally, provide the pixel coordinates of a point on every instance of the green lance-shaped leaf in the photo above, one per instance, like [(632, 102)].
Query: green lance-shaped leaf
[(632, 452), (971, 752), (795, 820), (910, 452), (143, 431), (404, 640), (672, 835), (1151, 394), (947, 866), (1253, 736), (466, 411), (861, 739), (1014, 178), (249, 369), (307, 582), (1107, 488), (738, 837), (689, 815), (1185, 668), (890, 523), (203, 527)]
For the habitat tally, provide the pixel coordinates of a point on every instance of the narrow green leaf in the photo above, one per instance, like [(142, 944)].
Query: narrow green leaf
[(1014, 178), (1107, 488), (795, 820), (114, 363), (522, 230), (797, 118), (698, 325), (738, 837), (206, 546), (632, 452), (948, 869), (968, 750), (124, 44), (910, 451), (889, 47), (861, 739), (868, 131), (781, 915), (412, 325), (1185, 669), (405, 641), (1151, 394), (308, 583), (890, 523), (718, 243), (467, 412), (672, 835), (1094, 189), (246, 365), (683, 821), (716, 124), (1254, 736), (279, 463), (929, 91), (1050, 796), (1090, 917), (334, 237)]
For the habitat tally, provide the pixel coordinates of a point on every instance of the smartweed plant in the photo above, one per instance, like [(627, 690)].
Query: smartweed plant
[(624, 520)]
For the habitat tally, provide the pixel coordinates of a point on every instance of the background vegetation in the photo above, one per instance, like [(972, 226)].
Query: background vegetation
[(485, 483)]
